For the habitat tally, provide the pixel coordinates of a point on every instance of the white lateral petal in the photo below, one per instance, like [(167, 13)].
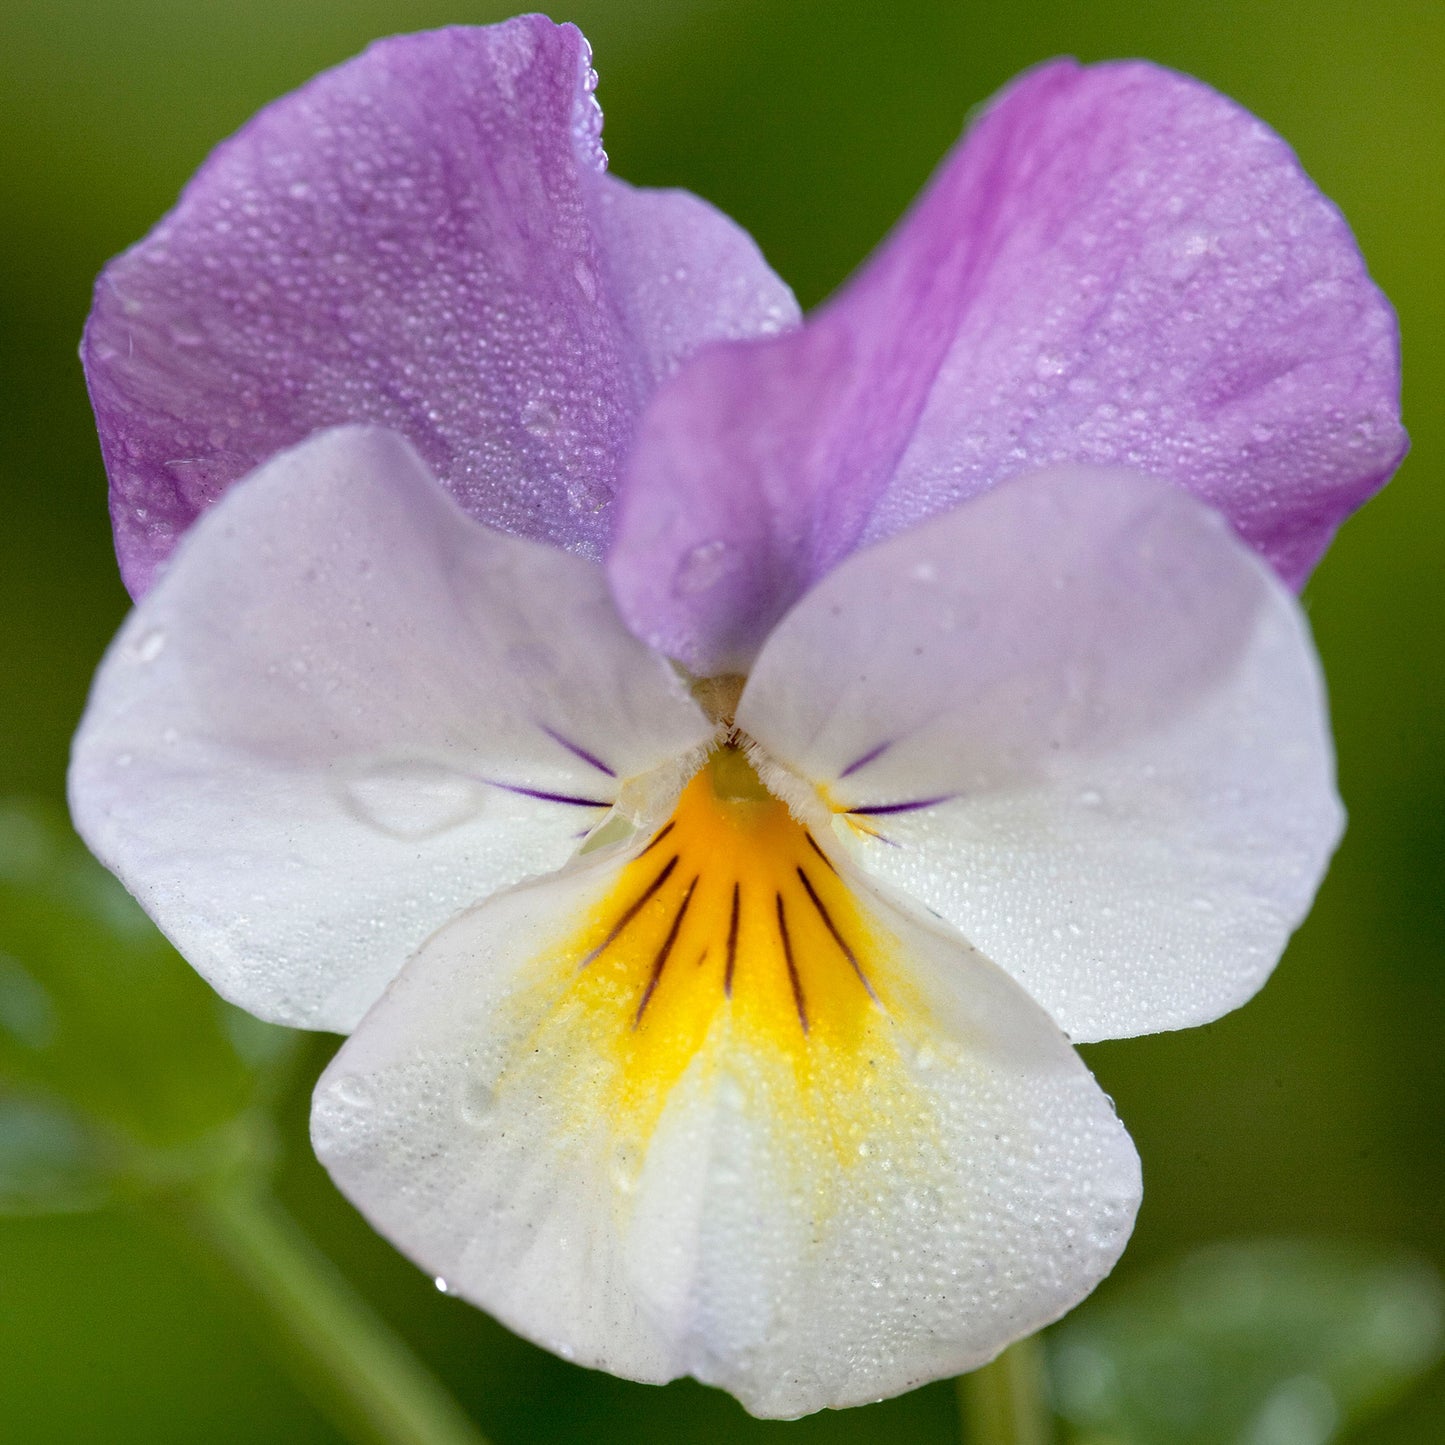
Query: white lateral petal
[(1115, 718), (812, 1221), (347, 711)]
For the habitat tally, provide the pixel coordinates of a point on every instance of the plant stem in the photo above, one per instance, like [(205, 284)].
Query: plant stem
[(1006, 1402), (359, 1374)]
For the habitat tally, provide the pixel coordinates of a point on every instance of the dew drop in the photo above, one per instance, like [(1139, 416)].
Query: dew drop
[(412, 798), (704, 567), (478, 1102), (539, 417), (353, 1090), (149, 645), (626, 1166), (442, 1286), (588, 494)]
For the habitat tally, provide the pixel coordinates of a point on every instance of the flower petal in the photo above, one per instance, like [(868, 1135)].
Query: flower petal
[(1117, 266), (421, 238), (347, 711), (1082, 722), (806, 1216)]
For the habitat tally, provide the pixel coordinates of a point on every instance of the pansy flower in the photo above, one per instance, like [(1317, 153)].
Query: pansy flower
[(712, 764)]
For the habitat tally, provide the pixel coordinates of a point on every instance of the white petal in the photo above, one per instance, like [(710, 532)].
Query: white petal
[(303, 750), (1117, 715), (687, 1181)]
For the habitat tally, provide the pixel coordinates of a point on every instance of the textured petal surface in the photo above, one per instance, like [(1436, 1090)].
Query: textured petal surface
[(422, 238), (1117, 266), (821, 1221), (348, 711), (1082, 722)]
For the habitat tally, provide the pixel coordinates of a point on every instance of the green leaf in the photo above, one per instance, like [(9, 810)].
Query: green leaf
[(1260, 1343), (120, 1070)]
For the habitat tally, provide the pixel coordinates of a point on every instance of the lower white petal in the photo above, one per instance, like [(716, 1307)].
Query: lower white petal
[(347, 711), (1079, 719), (716, 1109)]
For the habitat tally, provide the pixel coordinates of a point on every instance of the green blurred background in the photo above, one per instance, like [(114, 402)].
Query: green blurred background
[(1317, 1110)]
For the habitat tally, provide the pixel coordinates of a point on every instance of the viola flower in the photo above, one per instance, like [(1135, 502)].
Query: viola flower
[(712, 764)]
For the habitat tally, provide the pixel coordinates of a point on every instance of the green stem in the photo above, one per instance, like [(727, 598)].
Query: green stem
[(1006, 1402), (346, 1359)]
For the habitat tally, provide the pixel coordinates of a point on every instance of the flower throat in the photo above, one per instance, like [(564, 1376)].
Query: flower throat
[(729, 936)]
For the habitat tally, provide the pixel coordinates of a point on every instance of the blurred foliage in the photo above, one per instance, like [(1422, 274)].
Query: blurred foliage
[(1319, 1108), (121, 1073), (1261, 1343)]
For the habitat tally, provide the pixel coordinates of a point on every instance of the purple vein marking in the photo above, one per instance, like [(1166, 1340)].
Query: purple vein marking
[(867, 758), (571, 799), (837, 937), (591, 759), (880, 809), (634, 910), (792, 966), (662, 953), (813, 844), (732, 962)]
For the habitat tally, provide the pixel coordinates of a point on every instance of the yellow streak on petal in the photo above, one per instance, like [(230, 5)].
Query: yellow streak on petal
[(730, 952)]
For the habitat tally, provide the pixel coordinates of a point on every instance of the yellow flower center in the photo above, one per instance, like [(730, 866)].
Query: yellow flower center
[(729, 954)]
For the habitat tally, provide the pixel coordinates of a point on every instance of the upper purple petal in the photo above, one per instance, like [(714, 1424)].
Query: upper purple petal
[(1116, 266), (424, 238)]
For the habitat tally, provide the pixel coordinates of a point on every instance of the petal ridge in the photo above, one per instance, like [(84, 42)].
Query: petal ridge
[(983, 1187), (415, 238), (348, 711), (1110, 767), (1115, 266)]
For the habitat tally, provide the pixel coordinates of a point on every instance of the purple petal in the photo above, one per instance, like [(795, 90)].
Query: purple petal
[(422, 238), (1118, 265)]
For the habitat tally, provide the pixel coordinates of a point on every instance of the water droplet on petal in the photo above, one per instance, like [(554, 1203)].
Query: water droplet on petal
[(539, 417), (478, 1102), (442, 1286), (588, 494), (354, 1090), (626, 1166), (149, 645), (704, 567), (412, 798)]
